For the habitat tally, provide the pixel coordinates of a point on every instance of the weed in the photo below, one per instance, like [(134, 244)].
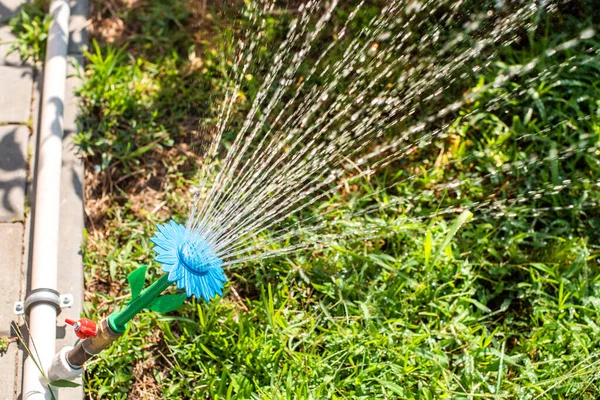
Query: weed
[(4, 342), (30, 26)]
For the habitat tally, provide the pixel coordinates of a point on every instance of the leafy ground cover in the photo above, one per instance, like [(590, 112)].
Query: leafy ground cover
[(499, 306)]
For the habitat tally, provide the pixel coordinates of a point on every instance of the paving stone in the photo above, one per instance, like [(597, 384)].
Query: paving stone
[(9, 7), (13, 171), (78, 36), (70, 273), (11, 253), (11, 250), (9, 374), (74, 70), (15, 87)]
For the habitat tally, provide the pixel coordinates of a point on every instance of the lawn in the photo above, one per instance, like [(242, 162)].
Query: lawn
[(484, 278)]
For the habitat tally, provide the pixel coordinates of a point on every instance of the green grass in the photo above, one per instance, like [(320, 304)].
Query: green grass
[(457, 307)]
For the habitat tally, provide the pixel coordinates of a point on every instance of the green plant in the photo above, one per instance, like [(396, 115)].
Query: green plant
[(502, 305), (120, 122), (30, 26), (4, 342)]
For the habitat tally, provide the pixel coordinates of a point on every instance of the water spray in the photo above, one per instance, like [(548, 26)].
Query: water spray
[(187, 260)]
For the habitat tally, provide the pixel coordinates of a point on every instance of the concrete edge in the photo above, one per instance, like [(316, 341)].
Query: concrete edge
[(70, 260)]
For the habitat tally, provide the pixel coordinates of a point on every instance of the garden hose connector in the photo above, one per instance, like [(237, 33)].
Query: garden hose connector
[(61, 369), (93, 345)]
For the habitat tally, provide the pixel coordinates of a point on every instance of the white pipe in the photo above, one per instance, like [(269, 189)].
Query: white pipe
[(61, 369), (42, 317)]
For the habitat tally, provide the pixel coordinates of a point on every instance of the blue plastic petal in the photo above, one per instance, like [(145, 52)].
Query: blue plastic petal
[(176, 274), (166, 258)]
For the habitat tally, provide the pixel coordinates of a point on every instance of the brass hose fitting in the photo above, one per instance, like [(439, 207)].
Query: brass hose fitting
[(93, 345)]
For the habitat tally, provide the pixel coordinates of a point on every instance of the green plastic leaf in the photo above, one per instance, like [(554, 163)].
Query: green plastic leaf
[(168, 302), (137, 280), (61, 383)]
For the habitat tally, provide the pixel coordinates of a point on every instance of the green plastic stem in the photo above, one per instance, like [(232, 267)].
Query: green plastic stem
[(118, 320)]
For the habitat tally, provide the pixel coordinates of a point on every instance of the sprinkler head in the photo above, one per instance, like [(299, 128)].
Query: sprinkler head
[(190, 261), (197, 256)]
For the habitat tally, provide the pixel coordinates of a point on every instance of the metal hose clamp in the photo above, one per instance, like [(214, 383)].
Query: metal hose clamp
[(46, 296)]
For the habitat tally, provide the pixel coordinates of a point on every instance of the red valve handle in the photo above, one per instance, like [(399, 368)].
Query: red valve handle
[(84, 328)]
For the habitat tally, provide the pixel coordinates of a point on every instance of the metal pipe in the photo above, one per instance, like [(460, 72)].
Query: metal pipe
[(42, 317)]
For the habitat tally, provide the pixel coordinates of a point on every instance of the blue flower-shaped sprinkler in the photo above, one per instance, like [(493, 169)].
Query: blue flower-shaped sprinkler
[(187, 259)]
